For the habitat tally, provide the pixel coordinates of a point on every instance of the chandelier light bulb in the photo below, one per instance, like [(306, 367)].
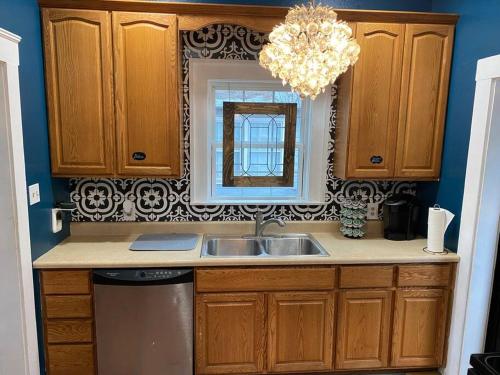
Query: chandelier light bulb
[(310, 50)]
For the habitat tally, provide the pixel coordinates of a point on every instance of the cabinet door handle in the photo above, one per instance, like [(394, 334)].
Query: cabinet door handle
[(138, 155), (376, 159)]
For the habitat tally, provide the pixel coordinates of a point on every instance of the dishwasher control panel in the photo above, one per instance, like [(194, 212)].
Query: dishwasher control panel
[(146, 274)]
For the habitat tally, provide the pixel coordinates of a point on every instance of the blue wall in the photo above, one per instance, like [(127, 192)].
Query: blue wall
[(409, 5), (477, 36), (22, 17)]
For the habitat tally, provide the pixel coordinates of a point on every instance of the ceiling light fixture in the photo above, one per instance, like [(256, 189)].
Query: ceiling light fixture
[(310, 50)]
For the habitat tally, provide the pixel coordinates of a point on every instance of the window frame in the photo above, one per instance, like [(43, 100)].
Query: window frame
[(204, 76)]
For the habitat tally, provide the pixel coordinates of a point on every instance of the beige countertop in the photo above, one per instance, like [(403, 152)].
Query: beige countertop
[(106, 245)]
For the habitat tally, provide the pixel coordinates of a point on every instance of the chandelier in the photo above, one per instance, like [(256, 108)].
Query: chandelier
[(310, 50)]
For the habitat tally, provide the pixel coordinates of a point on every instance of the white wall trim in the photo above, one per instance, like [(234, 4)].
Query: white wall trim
[(479, 222), (9, 58), (203, 73)]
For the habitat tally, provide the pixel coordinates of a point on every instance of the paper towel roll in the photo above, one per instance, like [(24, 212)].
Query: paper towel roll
[(438, 222)]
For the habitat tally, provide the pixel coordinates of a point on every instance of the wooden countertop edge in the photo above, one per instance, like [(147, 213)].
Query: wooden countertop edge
[(198, 9)]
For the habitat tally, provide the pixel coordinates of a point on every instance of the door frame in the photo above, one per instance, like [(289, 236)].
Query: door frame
[(479, 229), (19, 259)]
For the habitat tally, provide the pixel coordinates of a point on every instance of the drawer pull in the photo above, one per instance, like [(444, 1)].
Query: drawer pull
[(376, 159)]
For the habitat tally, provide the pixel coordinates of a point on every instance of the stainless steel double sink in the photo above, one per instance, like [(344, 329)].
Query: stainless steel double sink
[(302, 245)]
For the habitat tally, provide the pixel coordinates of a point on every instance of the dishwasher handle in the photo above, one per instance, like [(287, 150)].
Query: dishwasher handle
[(146, 276)]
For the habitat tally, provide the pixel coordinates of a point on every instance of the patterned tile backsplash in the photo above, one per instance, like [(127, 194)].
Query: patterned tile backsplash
[(169, 200)]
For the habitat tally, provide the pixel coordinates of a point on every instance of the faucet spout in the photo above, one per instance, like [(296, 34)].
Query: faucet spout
[(260, 224)]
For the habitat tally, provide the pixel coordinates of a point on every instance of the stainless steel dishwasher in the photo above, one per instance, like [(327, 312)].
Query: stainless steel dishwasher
[(144, 321)]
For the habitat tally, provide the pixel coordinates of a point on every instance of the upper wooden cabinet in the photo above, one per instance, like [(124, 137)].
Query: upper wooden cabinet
[(424, 94), (146, 93), (78, 66), (85, 141), (392, 103), (375, 100)]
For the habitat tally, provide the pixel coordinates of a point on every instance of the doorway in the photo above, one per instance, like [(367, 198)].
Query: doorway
[(18, 340)]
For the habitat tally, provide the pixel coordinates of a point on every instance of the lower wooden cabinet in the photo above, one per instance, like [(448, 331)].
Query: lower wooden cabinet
[(420, 321), (300, 331), (230, 333), (363, 330)]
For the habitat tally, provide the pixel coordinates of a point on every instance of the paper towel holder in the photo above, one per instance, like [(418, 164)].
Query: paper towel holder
[(445, 252)]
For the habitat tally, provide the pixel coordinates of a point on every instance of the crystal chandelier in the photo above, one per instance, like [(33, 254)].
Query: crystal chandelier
[(310, 50)]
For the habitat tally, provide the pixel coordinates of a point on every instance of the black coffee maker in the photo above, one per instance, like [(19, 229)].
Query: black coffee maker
[(400, 217)]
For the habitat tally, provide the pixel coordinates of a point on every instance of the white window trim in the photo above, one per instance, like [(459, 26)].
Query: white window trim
[(201, 73)]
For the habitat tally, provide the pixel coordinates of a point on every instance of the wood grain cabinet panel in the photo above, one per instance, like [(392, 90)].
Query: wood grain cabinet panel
[(68, 306), (424, 275), (71, 359), (419, 328), (300, 331), (375, 100), (78, 69), (366, 277), (146, 76), (265, 279), (69, 331), (66, 282), (426, 71), (230, 333), (363, 329)]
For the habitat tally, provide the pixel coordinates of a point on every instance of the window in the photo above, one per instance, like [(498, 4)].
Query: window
[(215, 82)]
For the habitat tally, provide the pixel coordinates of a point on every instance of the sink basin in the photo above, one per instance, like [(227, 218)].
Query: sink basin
[(231, 247), (301, 245)]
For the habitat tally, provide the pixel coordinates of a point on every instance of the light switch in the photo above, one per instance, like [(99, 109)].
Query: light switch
[(34, 194)]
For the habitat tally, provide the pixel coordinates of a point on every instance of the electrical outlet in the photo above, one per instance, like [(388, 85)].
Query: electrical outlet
[(372, 213), (34, 194)]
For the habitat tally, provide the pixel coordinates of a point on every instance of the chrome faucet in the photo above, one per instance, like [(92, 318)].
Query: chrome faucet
[(260, 224)]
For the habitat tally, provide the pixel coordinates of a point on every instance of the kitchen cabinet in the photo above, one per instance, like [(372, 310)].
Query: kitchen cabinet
[(230, 333), (78, 69), (86, 139), (374, 101), (300, 331), (68, 321), (256, 320), (424, 94), (419, 328), (392, 103), (145, 48), (364, 329)]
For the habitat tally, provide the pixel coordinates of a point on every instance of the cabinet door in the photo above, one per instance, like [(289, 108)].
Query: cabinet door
[(78, 66), (426, 71), (300, 332), (363, 329), (146, 94), (230, 333), (375, 101), (419, 328)]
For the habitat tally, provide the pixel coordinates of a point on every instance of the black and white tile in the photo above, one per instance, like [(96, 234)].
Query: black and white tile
[(169, 200)]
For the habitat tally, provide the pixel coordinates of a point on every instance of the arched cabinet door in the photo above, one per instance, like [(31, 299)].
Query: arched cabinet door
[(78, 68), (375, 100), (146, 76), (426, 71)]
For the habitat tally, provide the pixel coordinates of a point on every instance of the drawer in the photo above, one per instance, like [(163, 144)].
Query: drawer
[(264, 279), (424, 275), (66, 282), (69, 331), (366, 276), (68, 307), (71, 359)]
